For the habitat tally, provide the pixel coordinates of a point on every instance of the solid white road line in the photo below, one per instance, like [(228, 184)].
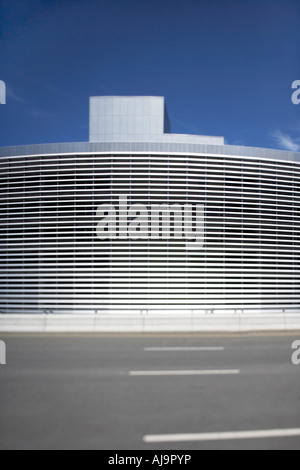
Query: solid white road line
[(185, 349), (223, 436), (183, 372)]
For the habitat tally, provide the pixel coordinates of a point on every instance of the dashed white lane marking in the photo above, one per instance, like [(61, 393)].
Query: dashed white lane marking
[(222, 436), (183, 372), (185, 349)]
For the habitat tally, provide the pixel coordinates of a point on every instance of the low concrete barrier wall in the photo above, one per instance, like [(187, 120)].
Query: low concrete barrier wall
[(133, 323)]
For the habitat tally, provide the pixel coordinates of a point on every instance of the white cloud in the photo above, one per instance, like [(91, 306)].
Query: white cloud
[(14, 96), (31, 111), (285, 141)]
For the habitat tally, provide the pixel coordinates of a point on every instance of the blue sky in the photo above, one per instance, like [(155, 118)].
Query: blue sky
[(226, 67)]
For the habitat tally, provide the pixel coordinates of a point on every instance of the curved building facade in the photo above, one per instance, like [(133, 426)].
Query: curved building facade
[(142, 220)]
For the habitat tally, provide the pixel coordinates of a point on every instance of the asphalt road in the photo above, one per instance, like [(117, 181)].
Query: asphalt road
[(93, 391)]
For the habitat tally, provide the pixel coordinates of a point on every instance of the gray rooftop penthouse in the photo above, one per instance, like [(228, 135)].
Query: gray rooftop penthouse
[(142, 124), (136, 119)]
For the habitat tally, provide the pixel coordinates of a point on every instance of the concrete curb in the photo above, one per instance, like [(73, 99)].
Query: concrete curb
[(133, 323)]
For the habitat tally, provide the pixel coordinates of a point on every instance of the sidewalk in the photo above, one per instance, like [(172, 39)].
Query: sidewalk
[(134, 323)]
